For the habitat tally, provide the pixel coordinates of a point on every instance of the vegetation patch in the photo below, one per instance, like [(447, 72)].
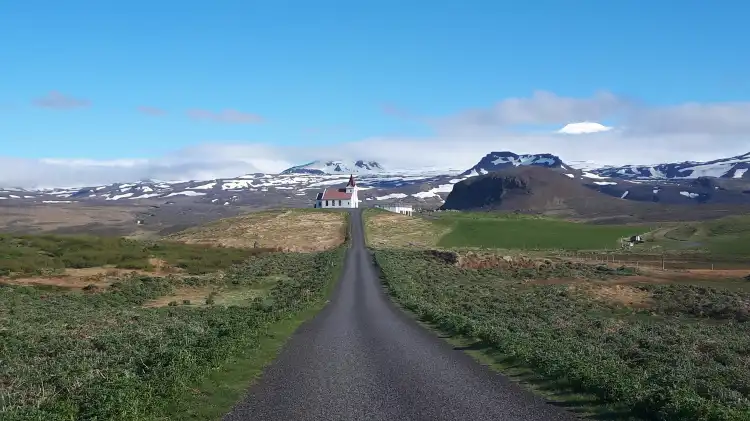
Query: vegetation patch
[(665, 351), (69, 354), (625, 295), (299, 230), (82, 256)]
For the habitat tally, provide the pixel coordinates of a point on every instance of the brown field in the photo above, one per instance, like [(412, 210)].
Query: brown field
[(289, 230), (47, 218), (388, 229), (110, 220), (100, 277)]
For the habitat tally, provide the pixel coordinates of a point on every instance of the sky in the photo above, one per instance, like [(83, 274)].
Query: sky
[(95, 92)]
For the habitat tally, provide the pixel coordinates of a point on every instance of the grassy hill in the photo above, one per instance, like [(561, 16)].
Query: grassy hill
[(288, 229), (725, 236)]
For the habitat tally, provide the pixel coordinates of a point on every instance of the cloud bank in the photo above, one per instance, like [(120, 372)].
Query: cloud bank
[(634, 133)]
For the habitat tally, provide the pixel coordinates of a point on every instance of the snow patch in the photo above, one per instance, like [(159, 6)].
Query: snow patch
[(690, 195), (739, 172), (592, 175), (186, 193), (605, 183), (392, 196), (624, 195), (120, 196), (570, 175), (208, 186)]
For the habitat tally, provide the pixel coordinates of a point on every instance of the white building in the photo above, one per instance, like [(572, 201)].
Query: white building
[(402, 209), (339, 198)]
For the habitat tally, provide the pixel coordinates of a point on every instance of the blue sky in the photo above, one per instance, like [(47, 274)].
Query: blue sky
[(323, 73)]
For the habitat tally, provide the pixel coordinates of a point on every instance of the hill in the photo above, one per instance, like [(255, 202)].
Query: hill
[(299, 230), (526, 189)]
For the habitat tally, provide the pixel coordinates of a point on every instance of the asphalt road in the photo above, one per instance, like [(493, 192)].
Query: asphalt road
[(362, 358)]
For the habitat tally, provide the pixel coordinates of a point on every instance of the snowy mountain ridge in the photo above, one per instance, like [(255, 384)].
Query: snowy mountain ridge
[(298, 185), (336, 166), (733, 167)]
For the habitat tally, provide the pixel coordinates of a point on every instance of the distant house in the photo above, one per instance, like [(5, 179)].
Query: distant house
[(402, 209), (332, 198)]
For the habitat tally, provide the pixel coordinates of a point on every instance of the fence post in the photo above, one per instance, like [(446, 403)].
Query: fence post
[(662, 262)]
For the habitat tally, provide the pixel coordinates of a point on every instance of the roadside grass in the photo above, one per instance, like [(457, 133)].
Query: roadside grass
[(38, 255), (677, 352), (140, 350), (299, 230)]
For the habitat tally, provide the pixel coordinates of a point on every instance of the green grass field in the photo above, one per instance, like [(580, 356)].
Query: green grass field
[(29, 255), (612, 352), (505, 231), (527, 233)]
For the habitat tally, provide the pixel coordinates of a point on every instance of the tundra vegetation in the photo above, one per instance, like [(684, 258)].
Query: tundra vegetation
[(162, 331), (609, 341)]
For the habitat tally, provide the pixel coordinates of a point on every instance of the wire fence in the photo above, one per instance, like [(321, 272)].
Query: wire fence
[(666, 262)]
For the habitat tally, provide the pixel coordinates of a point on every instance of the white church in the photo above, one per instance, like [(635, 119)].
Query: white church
[(332, 198)]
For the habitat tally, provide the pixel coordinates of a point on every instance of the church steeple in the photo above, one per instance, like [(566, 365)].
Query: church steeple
[(351, 182)]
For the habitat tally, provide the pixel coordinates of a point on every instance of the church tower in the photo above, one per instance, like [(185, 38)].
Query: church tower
[(351, 188), (351, 185)]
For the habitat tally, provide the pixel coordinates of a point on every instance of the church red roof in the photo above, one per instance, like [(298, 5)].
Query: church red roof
[(336, 194)]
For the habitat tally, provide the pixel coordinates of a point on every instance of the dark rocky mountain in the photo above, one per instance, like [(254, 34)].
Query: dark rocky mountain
[(526, 189), (534, 189), (495, 161)]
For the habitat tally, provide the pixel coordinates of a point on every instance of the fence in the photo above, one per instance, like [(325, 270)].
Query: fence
[(664, 261)]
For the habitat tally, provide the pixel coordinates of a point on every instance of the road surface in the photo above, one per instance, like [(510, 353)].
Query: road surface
[(362, 358)]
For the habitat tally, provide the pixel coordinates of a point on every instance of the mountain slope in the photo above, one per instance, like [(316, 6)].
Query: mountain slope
[(734, 167)]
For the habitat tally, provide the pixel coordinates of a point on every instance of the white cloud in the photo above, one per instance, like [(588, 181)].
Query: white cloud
[(585, 127), (642, 134)]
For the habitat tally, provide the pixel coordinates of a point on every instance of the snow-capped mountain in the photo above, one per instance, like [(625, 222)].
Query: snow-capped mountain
[(321, 167), (251, 189), (719, 181), (734, 167), (495, 161)]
